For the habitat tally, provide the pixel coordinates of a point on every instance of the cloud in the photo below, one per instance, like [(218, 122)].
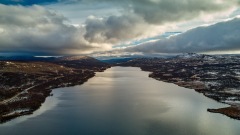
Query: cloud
[(163, 11), (77, 12), (114, 29), (141, 16), (222, 36), (35, 29)]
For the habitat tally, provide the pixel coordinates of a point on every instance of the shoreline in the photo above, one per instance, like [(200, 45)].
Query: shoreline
[(26, 85), (48, 104), (37, 102), (216, 77), (233, 111)]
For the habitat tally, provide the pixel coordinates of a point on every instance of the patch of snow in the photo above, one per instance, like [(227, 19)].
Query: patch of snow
[(232, 91), (208, 84), (17, 111), (231, 102), (212, 73)]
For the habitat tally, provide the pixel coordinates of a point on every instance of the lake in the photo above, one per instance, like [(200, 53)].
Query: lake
[(124, 101)]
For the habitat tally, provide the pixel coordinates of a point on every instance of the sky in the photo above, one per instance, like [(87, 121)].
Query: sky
[(113, 27)]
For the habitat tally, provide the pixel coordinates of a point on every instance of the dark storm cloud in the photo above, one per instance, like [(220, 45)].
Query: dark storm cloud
[(222, 36), (114, 28)]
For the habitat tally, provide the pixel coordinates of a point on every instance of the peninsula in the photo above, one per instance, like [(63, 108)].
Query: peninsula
[(25, 82)]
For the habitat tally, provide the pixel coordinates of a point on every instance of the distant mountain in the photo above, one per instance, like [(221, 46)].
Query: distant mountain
[(68, 61), (116, 60), (189, 55), (79, 62), (195, 56), (74, 58)]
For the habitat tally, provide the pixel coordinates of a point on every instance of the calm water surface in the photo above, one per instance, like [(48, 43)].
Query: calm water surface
[(124, 101)]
